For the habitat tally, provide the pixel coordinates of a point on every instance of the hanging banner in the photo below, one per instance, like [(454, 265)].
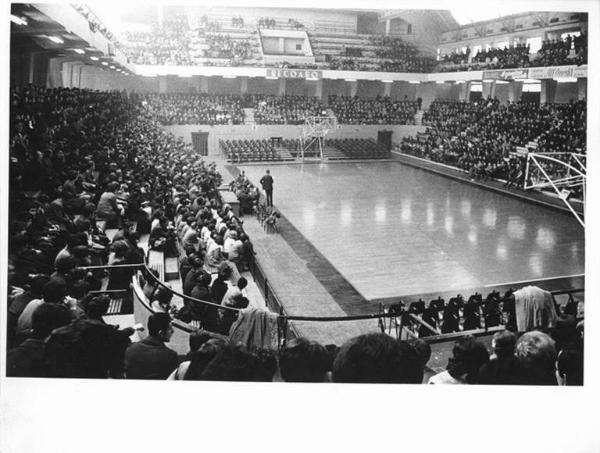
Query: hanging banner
[(505, 74), (308, 74), (552, 72)]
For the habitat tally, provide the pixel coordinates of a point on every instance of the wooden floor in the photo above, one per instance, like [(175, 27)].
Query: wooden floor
[(392, 230)]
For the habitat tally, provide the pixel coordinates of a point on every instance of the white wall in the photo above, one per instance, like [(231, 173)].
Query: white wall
[(264, 132)]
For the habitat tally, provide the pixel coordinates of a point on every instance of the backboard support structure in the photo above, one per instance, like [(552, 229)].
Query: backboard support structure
[(314, 130), (562, 171)]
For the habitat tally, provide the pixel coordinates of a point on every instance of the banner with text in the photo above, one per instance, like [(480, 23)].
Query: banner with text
[(308, 74), (505, 74), (552, 72)]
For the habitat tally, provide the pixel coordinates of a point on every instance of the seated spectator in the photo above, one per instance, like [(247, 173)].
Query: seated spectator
[(502, 367), (200, 359), (424, 352), (536, 358), (196, 340), (377, 358), (53, 292), (27, 359), (569, 367), (468, 356), (162, 301), (304, 361), (150, 358), (20, 302), (108, 209), (234, 363)]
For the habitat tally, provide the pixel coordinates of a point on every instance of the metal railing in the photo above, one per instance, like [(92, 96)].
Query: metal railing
[(399, 315)]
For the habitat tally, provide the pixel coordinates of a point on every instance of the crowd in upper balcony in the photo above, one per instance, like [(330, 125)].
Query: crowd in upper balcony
[(168, 44), (568, 50), (223, 46), (554, 52)]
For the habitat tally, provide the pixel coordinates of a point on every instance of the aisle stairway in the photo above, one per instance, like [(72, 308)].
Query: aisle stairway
[(249, 117), (332, 153), (284, 153), (419, 117)]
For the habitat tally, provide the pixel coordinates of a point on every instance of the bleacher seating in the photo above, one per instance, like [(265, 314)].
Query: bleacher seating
[(248, 150), (359, 148)]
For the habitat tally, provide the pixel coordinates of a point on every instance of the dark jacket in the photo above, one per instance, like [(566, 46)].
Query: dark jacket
[(267, 182), (149, 359), (26, 360)]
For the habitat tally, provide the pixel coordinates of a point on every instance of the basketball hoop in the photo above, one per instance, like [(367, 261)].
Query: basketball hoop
[(314, 130), (564, 172)]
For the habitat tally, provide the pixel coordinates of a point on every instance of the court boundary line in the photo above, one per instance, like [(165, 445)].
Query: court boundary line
[(520, 282), (445, 171)]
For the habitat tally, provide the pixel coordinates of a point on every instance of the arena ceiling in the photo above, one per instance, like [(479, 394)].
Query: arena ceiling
[(32, 31)]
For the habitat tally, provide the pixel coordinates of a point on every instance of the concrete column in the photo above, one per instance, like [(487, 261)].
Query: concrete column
[(387, 89), (203, 84), (548, 91), (244, 85), (319, 89), (464, 91), (281, 88), (162, 84), (388, 24), (281, 45), (353, 88), (426, 91), (488, 89), (515, 89), (581, 88), (31, 67)]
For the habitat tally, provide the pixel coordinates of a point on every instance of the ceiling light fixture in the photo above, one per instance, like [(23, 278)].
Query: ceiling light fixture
[(104, 63), (55, 39), (94, 58), (79, 51), (17, 20)]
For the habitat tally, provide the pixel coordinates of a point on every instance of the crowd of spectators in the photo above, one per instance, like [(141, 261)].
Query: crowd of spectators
[(169, 44), (223, 46), (195, 108), (568, 134), (568, 50), (284, 109), (480, 137), (78, 156), (266, 22), (381, 110), (400, 56), (237, 21), (512, 56), (554, 52)]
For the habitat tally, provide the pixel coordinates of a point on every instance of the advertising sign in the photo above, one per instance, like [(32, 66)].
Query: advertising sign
[(308, 74), (505, 74), (552, 72)]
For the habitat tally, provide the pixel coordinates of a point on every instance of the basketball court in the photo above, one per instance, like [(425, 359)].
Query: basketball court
[(393, 230)]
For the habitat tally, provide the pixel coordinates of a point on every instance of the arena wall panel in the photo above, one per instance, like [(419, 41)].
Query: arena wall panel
[(238, 132), (566, 92)]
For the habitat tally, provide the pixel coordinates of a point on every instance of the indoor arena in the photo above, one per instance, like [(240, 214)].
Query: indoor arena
[(295, 195)]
